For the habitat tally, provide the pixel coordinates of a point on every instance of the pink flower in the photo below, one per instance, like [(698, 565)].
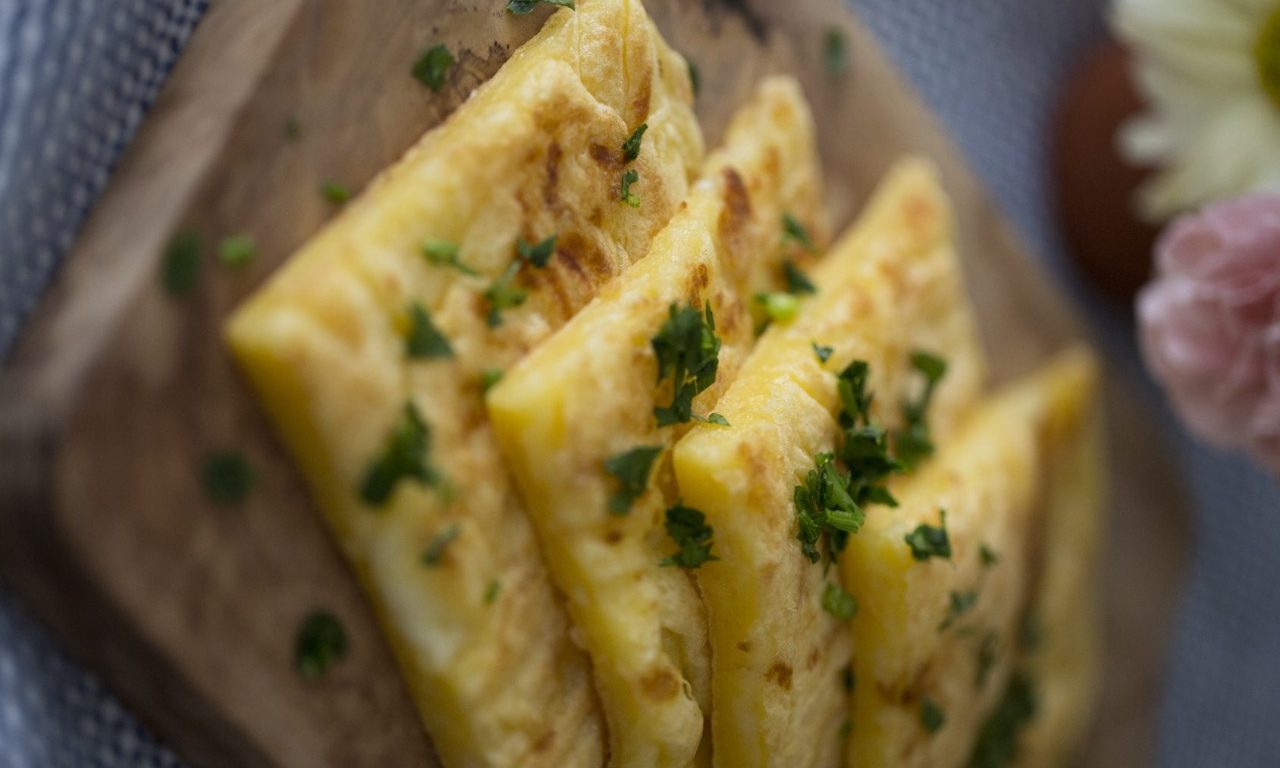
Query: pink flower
[(1210, 323)]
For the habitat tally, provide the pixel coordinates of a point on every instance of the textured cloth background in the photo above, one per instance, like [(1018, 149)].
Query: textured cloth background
[(75, 80)]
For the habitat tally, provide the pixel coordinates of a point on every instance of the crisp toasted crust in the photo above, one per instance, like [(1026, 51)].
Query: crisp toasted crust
[(589, 393), (1064, 665), (535, 152), (890, 286)]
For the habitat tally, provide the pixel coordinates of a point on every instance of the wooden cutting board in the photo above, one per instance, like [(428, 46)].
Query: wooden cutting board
[(117, 392)]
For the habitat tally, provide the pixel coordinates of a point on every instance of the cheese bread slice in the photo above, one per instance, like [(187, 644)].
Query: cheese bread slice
[(371, 348), (938, 630), (1060, 656), (889, 287), (576, 420)]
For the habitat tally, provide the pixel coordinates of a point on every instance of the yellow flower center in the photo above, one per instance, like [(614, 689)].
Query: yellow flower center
[(1267, 52)]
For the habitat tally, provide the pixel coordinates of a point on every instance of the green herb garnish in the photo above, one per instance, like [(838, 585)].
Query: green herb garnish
[(404, 457), (847, 678), (631, 176), (321, 643), (960, 604), (912, 443), (797, 282), (988, 556), (504, 294), (537, 254), (436, 547), (997, 745), (931, 716), (695, 78), (631, 470), (489, 378), (927, 541), (631, 147), (228, 478), (182, 263), (778, 307), (425, 339), (719, 420), (833, 496), (794, 231), (521, 7), (988, 653), (839, 603), (336, 193), (432, 67), (823, 353), (834, 51), (443, 253), (687, 352), (237, 250), (688, 528), (491, 592)]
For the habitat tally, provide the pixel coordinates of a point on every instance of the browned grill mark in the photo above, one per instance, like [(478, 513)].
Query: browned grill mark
[(780, 675), (744, 646), (608, 158), (815, 656), (644, 96), (613, 537), (551, 188), (737, 209), (660, 684), (544, 743)]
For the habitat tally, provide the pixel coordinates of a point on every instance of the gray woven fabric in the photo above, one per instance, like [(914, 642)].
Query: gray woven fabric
[(990, 68)]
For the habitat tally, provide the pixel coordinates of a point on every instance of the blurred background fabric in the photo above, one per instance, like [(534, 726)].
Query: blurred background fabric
[(76, 78)]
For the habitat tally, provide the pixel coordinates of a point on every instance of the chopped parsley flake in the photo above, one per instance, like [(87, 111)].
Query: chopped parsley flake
[(988, 653), (779, 307), (961, 603), (336, 193), (403, 457), (794, 231), (321, 643), (997, 745), (425, 339), (823, 352), (688, 528), (834, 51), (489, 378), (912, 443), (237, 251), (695, 78), (688, 352), (719, 420), (839, 603), (631, 147), (491, 592), (988, 556), (927, 541), (435, 549), (931, 716), (631, 470), (833, 496), (537, 254), (433, 66), (631, 176), (797, 282), (443, 253), (182, 263), (504, 294), (521, 7), (228, 478)]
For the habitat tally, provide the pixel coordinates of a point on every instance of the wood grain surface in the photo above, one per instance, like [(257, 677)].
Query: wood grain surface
[(117, 392)]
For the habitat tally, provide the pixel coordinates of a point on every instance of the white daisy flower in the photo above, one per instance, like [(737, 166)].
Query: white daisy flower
[(1211, 71)]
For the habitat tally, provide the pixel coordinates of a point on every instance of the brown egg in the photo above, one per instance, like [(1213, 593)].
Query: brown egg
[(1110, 245)]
